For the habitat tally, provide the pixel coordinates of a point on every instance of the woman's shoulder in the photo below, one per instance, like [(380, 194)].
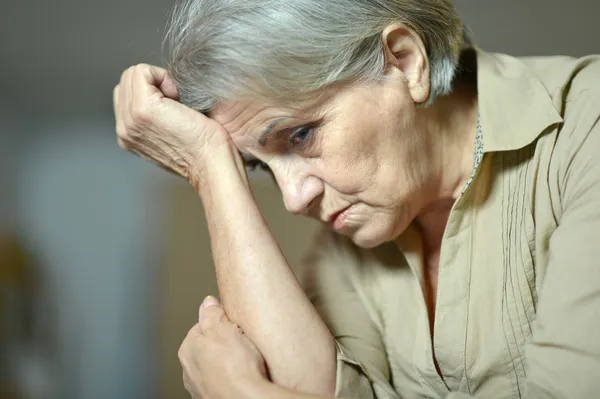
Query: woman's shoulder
[(574, 84), (576, 97), (336, 250), (567, 77)]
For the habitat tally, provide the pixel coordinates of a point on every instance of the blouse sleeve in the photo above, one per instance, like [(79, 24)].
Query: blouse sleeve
[(362, 367)]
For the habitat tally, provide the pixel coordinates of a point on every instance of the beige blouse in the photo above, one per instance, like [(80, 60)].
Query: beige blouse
[(518, 301)]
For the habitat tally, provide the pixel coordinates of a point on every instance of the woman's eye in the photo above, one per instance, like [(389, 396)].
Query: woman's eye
[(300, 136)]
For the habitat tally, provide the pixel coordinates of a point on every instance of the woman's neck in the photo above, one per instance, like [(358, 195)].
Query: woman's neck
[(451, 125)]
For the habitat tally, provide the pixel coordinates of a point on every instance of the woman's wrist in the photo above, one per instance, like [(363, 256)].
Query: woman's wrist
[(216, 164)]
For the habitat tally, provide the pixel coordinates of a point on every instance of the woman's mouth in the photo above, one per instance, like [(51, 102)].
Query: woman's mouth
[(339, 220)]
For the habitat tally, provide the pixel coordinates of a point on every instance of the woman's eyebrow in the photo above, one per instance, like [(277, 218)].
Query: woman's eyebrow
[(270, 130)]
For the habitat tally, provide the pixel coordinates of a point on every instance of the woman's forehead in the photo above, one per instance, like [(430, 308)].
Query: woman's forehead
[(255, 118)]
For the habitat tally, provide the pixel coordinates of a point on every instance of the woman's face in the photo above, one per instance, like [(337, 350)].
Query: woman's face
[(354, 161)]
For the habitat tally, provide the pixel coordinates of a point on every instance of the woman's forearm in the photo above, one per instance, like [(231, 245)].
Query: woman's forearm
[(259, 290)]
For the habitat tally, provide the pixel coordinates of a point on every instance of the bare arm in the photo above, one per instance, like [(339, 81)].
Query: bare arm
[(219, 361), (258, 289)]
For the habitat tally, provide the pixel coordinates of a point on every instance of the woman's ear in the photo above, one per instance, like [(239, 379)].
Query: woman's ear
[(405, 52)]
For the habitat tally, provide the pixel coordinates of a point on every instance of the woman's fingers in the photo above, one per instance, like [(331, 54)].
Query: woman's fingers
[(116, 109), (215, 355), (211, 314), (164, 82), (152, 79), (125, 98), (152, 124)]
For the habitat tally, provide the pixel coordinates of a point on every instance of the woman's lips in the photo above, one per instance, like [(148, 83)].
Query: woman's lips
[(339, 220)]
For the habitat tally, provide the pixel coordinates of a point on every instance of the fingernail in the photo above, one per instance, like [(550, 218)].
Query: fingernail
[(210, 301)]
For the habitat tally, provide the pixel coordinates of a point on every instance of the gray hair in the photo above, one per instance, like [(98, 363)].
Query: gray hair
[(292, 50)]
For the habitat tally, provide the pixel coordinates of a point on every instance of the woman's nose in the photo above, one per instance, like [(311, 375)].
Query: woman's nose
[(298, 195)]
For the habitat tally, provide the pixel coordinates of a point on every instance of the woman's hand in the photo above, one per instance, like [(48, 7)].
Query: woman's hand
[(218, 360), (151, 123), (251, 269)]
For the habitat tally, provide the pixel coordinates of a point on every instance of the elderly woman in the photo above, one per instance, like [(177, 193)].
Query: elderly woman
[(459, 191)]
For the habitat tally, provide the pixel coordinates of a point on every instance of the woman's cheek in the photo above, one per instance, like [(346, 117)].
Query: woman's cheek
[(347, 174)]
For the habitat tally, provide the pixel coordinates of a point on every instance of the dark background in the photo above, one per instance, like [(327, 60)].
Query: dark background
[(90, 218)]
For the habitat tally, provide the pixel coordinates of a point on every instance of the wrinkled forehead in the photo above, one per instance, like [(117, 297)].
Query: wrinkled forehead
[(251, 119)]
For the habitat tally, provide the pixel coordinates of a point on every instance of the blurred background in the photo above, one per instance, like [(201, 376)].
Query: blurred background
[(104, 258)]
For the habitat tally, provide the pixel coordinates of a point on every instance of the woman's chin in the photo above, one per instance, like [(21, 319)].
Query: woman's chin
[(372, 235)]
